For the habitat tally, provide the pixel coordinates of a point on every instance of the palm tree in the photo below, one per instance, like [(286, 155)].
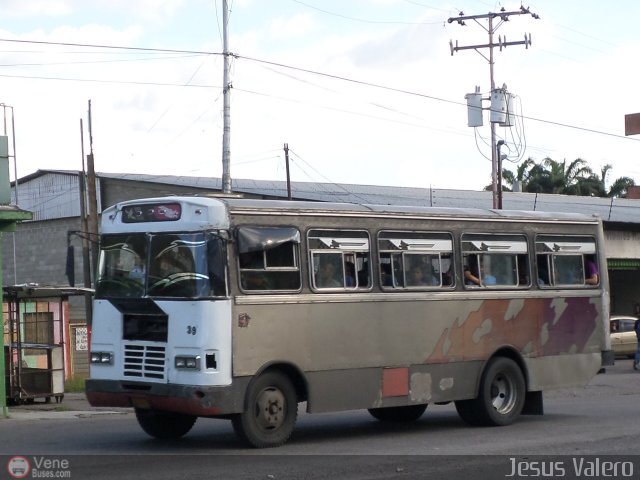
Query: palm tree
[(521, 176), (619, 186), (576, 178), (569, 179)]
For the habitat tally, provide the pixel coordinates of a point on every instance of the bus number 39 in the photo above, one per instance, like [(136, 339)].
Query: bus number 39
[(191, 330)]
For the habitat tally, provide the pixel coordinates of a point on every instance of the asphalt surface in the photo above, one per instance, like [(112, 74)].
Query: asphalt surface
[(72, 405)]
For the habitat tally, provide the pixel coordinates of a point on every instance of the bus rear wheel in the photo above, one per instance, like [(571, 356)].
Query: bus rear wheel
[(164, 425), (271, 411), (408, 413), (500, 397)]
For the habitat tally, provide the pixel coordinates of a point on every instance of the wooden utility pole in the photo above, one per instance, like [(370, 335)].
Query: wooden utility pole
[(502, 16), (93, 201), (84, 227)]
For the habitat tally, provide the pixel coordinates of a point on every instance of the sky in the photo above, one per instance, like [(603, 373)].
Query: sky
[(362, 91)]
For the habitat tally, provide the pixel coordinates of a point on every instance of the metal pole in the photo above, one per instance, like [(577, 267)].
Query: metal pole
[(286, 161), (226, 109), (494, 161), (15, 174), (4, 373), (499, 156)]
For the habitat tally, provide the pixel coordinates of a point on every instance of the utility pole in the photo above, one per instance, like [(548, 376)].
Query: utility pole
[(286, 162), (502, 16), (84, 227), (226, 109), (92, 211)]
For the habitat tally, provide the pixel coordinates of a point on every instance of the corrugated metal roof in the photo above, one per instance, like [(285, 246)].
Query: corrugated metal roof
[(610, 210)]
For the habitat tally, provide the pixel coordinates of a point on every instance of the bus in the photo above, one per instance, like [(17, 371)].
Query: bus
[(243, 308)]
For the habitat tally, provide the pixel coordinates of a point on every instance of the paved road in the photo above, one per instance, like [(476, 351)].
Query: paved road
[(600, 419)]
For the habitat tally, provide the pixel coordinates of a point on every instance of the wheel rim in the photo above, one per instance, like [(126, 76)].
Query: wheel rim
[(503, 394), (270, 409)]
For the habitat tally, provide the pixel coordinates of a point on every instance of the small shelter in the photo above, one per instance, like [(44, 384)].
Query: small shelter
[(37, 347)]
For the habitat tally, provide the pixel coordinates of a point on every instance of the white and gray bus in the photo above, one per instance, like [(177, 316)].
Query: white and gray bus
[(242, 309)]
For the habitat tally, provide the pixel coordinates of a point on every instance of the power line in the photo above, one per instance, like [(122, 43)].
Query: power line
[(266, 62), (108, 47), (122, 82), (361, 20), (91, 62)]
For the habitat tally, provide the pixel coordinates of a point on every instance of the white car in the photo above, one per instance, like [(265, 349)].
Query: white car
[(623, 336)]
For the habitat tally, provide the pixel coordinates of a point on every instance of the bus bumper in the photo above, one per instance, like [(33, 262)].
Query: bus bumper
[(201, 401)]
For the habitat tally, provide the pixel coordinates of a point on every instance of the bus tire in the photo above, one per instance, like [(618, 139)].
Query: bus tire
[(271, 411), (164, 425), (500, 398), (408, 413), (466, 411)]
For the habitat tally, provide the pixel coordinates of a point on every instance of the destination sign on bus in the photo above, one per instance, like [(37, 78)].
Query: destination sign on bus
[(152, 212)]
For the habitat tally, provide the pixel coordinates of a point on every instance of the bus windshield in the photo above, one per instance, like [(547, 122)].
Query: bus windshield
[(162, 265)]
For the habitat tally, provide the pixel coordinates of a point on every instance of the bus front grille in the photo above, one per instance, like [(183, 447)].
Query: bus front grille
[(144, 361)]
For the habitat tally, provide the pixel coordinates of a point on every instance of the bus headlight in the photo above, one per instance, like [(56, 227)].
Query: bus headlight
[(102, 358), (185, 362)]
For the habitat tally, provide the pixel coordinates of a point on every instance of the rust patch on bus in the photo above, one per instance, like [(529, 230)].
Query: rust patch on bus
[(395, 382), (243, 320), (535, 327)]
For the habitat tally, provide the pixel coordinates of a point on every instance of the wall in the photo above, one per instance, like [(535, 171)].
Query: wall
[(622, 244), (114, 191), (40, 252)]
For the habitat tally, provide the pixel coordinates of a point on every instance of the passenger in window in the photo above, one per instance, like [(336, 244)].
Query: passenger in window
[(137, 272), (472, 270), (591, 274), (543, 270), (471, 273), (489, 280), (385, 273), (418, 277), (350, 274), (329, 274), (473, 276), (447, 274), (255, 281)]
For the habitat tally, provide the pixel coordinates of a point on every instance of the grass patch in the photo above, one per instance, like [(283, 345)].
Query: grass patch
[(74, 384)]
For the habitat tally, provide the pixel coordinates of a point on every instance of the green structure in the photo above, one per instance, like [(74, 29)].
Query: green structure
[(9, 216)]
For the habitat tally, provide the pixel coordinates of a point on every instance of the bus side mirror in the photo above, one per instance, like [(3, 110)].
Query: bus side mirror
[(70, 268)]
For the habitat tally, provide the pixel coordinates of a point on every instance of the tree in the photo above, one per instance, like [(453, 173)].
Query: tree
[(576, 178)]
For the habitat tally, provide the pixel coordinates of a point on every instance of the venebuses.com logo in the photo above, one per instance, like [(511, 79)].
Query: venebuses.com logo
[(38, 467), (18, 467)]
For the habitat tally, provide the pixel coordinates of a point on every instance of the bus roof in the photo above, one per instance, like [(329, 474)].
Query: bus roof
[(220, 208), (246, 206)]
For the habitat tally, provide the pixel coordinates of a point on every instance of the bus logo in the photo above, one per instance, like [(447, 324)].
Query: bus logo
[(18, 467)]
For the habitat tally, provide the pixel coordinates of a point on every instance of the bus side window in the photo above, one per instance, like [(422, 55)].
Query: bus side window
[(268, 258), (495, 260), (415, 260), (567, 260), (339, 259)]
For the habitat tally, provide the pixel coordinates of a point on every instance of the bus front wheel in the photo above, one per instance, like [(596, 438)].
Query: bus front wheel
[(500, 398), (164, 425), (270, 413), (408, 413)]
